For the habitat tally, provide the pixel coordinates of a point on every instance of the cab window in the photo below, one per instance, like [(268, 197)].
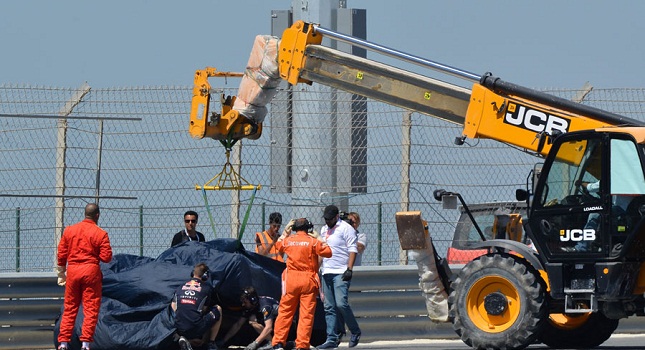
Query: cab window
[(626, 170), (577, 162)]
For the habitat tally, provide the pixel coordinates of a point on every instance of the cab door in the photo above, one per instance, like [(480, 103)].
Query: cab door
[(589, 195), (570, 208)]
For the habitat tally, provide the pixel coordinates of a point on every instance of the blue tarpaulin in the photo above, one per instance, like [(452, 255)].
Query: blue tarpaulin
[(137, 292)]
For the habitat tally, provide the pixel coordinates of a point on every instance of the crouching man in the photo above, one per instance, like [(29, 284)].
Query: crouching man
[(197, 318), (260, 312)]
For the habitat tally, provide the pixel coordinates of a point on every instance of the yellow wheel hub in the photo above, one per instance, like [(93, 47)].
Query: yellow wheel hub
[(481, 293)]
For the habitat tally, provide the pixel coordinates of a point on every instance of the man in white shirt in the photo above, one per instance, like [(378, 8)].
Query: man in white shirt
[(337, 276)]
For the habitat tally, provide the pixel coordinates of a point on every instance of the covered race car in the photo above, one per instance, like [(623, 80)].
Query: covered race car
[(137, 292)]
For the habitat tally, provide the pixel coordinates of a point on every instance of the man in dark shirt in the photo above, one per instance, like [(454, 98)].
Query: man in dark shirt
[(197, 318), (260, 312), (188, 233)]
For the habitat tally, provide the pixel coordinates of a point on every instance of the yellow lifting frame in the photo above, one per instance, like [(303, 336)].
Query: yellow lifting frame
[(228, 179)]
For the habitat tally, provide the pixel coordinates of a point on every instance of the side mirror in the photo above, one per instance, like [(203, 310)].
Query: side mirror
[(449, 199), (521, 195), (438, 194)]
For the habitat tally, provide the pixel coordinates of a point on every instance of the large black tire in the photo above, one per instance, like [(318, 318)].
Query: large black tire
[(498, 303), (577, 331)]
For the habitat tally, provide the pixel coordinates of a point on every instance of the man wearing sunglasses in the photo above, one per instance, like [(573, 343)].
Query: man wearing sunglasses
[(188, 233)]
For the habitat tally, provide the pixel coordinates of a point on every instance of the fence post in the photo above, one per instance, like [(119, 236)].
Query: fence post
[(141, 230), (17, 239), (406, 144), (61, 160), (379, 232), (99, 155), (263, 215)]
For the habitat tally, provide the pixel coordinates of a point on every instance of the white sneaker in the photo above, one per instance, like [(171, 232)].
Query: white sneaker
[(184, 344)]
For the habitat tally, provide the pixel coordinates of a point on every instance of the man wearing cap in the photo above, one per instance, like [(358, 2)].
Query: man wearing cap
[(337, 275)]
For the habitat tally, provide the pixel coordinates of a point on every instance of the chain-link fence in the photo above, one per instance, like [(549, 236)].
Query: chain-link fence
[(129, 149)]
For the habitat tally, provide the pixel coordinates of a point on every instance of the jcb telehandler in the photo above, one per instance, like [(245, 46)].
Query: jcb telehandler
[(585, 204)]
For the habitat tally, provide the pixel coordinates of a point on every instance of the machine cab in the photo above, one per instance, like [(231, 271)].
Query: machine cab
[(590, 195)]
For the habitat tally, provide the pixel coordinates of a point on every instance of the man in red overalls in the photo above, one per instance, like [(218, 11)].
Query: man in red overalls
[(300, 283), (80, 249)]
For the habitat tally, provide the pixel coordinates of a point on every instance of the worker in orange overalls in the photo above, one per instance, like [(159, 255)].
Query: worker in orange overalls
[(81, 248), (265, 240), (300, 283)]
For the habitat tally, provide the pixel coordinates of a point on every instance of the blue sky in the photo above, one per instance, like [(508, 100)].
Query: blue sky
[(161, 43)]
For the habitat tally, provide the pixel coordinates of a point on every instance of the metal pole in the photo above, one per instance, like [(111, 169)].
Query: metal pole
[(61, 165), (45, 116), (312, 166), (18, 239), (444, 68), (236, 161), (141, 230), (379, 233), (264, 216), (98, 162), (406, 137)]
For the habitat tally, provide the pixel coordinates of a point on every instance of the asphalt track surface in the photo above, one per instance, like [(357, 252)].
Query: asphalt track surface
[(625, 341), (635, 341), (616, 342), (630, 335)]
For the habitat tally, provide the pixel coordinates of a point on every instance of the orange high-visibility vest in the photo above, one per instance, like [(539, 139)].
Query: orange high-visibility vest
[(265, 241)]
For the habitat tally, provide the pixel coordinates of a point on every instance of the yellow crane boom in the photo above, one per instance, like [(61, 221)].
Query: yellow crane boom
[(492, 108)]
